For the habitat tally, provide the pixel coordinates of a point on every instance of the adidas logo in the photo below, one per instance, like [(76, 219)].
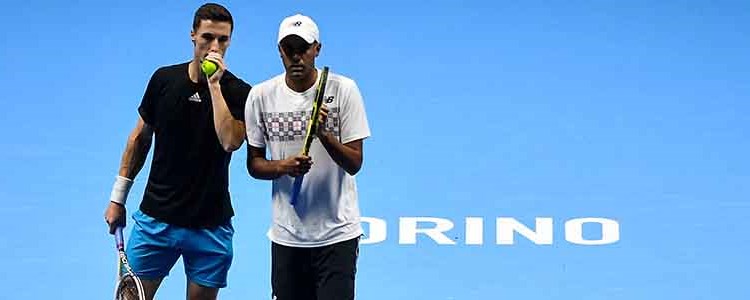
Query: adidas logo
[(195, 98)]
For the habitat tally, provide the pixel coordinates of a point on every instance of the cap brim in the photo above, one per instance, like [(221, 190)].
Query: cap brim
[(309, 39)]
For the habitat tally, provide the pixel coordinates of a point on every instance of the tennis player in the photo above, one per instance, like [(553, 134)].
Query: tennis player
[(197, 122), (314, 244)]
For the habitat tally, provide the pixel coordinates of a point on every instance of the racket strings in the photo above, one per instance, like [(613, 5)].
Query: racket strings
[(127, 289)]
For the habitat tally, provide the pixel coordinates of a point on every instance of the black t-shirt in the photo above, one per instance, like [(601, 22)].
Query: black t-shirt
[(188, 184)]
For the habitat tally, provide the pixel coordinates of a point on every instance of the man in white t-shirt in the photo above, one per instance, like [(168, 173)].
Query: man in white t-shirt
[(314, 243)]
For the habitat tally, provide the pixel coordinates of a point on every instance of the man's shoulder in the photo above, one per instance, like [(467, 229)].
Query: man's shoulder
[(173, 67), (170, 71), (341, 80), (231, 78), (273, 81), (268, 85)]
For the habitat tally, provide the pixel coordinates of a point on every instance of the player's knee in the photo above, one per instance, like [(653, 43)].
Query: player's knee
[(197, 291)]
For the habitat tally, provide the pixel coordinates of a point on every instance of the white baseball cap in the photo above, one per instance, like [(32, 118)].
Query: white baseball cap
[(301, 26)]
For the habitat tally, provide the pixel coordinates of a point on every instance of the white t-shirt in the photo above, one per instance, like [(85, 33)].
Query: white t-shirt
[(276, 117)]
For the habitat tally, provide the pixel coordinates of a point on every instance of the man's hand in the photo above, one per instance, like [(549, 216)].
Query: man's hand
[(220, 67), (322, 119), (114, 215), (295, 166)]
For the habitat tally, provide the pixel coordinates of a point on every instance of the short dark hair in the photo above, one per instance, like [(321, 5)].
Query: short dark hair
[(213, 12)]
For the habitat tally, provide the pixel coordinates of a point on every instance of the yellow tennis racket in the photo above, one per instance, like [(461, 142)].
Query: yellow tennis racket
[(312, 127)]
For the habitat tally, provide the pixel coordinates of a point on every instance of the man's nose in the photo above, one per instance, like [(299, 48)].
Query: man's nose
[(213, 46)]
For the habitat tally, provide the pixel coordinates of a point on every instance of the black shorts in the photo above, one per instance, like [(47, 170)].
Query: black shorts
[(321, 273)]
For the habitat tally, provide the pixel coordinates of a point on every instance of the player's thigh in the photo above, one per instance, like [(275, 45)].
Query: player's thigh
[(335, 268), (208, 255), (151, 249), (291, 276)]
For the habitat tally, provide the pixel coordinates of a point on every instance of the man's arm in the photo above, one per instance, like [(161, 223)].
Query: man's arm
[(348, 156), (231, 132), (136, 151), (261, 168)]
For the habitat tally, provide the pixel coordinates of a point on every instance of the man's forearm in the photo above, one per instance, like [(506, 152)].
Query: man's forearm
[(261, 168), (135, 154), (348, 157), (229, 131)]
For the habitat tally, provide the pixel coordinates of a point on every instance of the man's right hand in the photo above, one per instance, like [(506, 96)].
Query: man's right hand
[(295, 166), (114, 216)]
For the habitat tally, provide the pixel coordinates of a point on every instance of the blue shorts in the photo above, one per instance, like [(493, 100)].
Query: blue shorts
[(154, 247)]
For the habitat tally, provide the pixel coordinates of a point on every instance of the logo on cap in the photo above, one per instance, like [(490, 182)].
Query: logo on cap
[(297, 24)]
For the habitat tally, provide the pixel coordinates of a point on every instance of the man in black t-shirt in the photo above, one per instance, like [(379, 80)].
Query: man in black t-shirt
[(196, 120)]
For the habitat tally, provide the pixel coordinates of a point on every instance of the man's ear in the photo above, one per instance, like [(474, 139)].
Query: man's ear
[(192, 37)]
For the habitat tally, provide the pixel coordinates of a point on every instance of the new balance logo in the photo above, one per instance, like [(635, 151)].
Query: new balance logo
[(329, 99), (195, 98), (297, 24)]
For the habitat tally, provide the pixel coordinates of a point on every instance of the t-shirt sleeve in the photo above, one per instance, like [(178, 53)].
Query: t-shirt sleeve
[(253, 119), (235, 94), (354, 125), (147, 108)]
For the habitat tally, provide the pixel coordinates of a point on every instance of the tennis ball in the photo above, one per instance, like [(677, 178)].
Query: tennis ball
[(208, 67)]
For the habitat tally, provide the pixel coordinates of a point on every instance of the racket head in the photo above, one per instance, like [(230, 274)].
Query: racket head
[(129, 287), (317, 102)]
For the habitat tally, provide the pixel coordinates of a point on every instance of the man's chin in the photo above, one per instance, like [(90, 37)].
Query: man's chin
[(296, 74)]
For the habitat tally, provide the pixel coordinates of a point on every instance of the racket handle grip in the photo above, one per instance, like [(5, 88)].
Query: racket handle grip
[(118, 238), (296, 188)]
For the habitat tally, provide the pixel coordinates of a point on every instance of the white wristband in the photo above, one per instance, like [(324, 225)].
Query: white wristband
[(120, 190)]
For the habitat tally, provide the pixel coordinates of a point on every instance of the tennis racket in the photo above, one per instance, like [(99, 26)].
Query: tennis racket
[(128, 285), (312, 127)]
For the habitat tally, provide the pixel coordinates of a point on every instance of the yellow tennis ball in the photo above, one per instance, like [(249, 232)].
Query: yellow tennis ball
[(208, 67)]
